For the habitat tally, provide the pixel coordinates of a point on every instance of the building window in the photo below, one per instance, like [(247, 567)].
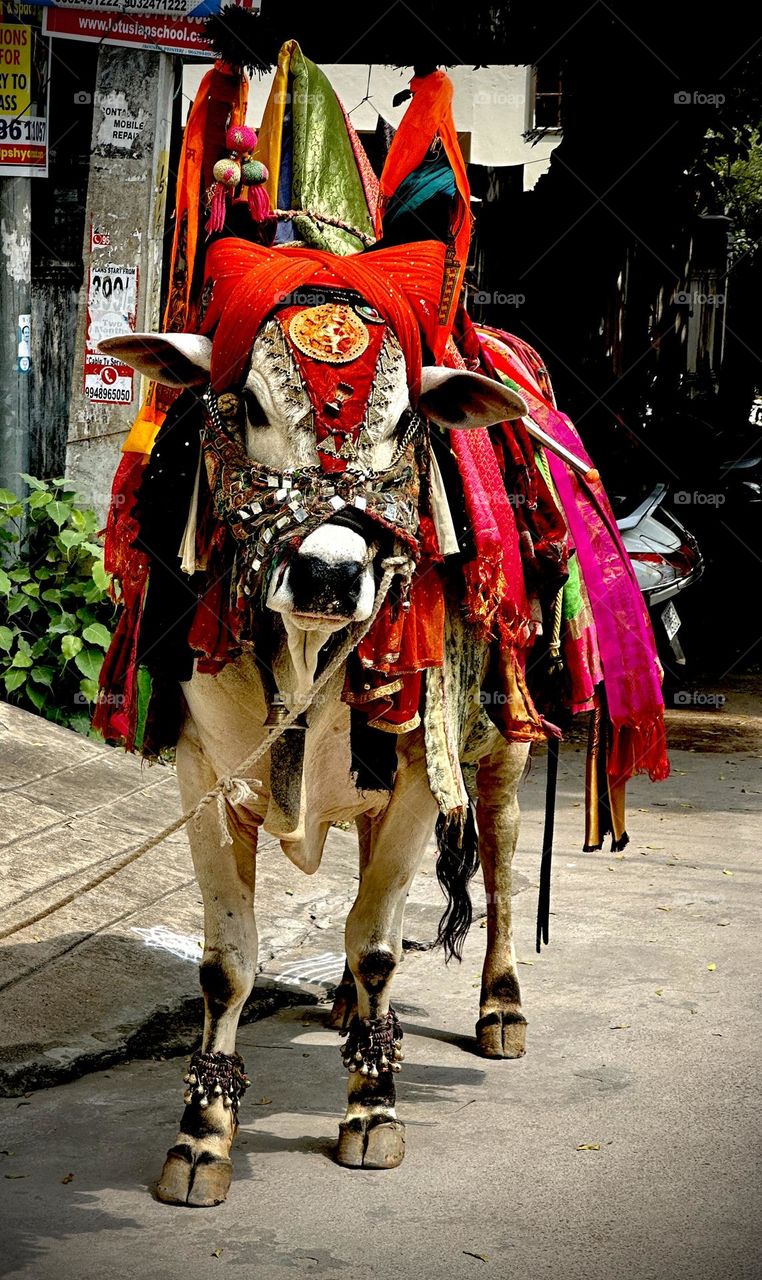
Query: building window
[(546, 98)]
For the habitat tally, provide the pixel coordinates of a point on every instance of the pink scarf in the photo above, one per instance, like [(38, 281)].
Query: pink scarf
[(631, 669)]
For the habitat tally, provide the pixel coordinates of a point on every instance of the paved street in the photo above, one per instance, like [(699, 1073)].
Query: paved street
[(625, 1144)]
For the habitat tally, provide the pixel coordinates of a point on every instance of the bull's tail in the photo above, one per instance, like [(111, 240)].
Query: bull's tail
[(457, 861)]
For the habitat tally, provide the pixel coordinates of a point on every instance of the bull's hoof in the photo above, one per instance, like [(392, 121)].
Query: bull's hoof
[(502, 1035), (344, 1006), (365, 1145), (199, 1184), (212, 1176)]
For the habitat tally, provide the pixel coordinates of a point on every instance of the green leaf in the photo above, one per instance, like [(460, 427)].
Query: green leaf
[(22, 660), (5, 583), (93, 594), (16, 603), (53, 595), (89, 662), (84, 520), (31, 589), (19, 575), (40, 646), (33, 482), (14, 679), (80, 722), (58, 512), (7, 498), (70, 646), (66, 622), (96, 633), (37, 697), (6, 638), (40, 498), (24, 645), (89, 688), (70, 538), (99, 576), (43, 675)]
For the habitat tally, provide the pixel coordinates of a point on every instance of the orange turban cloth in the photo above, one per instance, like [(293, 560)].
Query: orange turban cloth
[(248, 280)]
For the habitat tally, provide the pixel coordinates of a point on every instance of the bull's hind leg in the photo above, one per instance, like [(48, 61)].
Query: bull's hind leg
[(501, 1029), (371, 1136), (198, 1169)]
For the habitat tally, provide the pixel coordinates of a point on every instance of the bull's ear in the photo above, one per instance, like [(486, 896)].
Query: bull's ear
[(461, 400), (175, 359)]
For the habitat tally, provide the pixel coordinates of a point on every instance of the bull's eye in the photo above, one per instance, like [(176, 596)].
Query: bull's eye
[(255, 414)]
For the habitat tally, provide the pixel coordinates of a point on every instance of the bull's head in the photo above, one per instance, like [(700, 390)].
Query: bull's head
[(293, 423)]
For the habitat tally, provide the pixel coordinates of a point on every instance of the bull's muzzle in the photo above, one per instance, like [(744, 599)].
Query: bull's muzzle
[(328, 582)]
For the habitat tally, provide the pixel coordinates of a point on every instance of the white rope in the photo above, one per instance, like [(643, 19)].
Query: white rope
[(234, 789)]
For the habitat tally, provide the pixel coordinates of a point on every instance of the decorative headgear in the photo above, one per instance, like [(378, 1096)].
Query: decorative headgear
[(249, 281)]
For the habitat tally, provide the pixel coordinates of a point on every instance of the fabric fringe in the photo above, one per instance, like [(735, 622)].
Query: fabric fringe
[(217, 209)]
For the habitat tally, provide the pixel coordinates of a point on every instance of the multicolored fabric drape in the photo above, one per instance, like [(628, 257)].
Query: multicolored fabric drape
[(314, 158), (631, 669)]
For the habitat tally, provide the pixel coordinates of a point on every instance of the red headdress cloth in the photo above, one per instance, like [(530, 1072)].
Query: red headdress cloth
[(403, 284)]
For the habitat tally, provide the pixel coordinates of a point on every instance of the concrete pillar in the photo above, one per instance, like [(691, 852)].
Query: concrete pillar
[(15, 314), (124, 223)]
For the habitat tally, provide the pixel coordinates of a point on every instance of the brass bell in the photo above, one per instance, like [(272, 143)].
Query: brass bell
[(277, 712)]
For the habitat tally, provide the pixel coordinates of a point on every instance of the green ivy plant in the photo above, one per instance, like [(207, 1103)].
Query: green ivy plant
[(55, 611)]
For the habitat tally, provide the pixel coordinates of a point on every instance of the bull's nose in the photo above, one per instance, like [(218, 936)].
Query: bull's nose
[(327, 588)]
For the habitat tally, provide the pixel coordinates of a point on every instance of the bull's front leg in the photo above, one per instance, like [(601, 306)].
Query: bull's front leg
[(198, 1169), (501, 1029), (370, 1135), (344, 1006)]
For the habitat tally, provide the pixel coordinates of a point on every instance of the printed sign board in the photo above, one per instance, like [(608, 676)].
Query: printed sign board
[(112, 295), (173, 26), (23, 99)]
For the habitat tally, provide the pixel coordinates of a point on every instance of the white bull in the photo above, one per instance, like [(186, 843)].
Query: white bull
[(225, 721)]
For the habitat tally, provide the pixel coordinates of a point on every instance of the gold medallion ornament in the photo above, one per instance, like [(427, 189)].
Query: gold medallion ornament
[(331, 333)]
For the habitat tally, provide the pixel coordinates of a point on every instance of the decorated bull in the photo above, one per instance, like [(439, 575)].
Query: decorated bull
[(345, 554)]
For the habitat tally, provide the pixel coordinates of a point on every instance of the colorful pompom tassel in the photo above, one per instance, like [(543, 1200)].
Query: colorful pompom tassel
[(255, 175), (230, 172), (240, 138), (227, 174)]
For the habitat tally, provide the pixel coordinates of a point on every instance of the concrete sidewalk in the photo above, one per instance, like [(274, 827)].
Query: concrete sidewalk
[(625, 1144), (115, 973)]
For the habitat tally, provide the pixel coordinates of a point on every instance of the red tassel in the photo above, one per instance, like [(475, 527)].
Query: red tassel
[(259, 204), (217, 209)]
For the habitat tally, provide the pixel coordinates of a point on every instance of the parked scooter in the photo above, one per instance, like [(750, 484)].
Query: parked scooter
[(666, 559)]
